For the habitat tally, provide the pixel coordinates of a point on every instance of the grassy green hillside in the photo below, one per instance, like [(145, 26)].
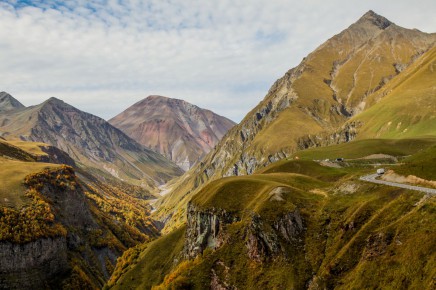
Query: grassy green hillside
[(422, 164), (406, 106), (362, 148), (354, 235), (356, 149), (252, 194), (11, 179), (153, 260), (15, 166)]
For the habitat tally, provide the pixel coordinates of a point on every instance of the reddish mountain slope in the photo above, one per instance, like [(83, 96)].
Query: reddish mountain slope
[(177, 129)]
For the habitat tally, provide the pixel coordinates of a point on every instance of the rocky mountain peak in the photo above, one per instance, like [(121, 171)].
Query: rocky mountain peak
[(54, 108), (55, 101), (7, 102), (154, 100), (374, 19), (175, 128)]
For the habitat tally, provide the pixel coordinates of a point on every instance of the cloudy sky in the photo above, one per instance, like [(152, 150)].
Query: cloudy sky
[(103, 55)]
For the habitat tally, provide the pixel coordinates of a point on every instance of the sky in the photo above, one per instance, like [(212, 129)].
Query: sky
[(103, 56)]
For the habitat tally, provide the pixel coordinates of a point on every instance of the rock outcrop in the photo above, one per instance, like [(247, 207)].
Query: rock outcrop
[(205, 229), (265, 241), (55, 155)]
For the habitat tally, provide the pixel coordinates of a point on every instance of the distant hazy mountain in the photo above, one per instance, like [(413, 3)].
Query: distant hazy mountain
[(89, 140), (7, 102), (177, 129)]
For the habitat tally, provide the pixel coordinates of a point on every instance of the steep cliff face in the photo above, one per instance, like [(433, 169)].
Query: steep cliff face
[(58, 230), (94, 236), (268, 240), (177, 129), (33, 265), (68, 201), (36, 239), (310, 105)]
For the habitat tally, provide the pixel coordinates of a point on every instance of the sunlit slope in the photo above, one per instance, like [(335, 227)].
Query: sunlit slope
[(16, 162), (12, 175), (335, 81), (422, 164), (25, 151), (352, 234), (408, 107), (332, 83), (311, 101), (363, 148), (153, 260)]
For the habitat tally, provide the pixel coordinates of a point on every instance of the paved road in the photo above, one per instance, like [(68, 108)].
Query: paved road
[(371, 178)]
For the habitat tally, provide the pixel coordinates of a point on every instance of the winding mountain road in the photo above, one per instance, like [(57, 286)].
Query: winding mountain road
[(371, 178)]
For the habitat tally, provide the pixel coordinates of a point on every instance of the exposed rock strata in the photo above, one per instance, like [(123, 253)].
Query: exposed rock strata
[(265, 241), (206, 228)]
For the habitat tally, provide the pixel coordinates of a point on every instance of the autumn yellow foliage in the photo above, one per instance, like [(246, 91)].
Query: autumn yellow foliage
[(35, 220)]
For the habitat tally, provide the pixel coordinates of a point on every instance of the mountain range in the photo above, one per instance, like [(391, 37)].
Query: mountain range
[(182, 132), (281, 200), (76, 189), (88, 139)]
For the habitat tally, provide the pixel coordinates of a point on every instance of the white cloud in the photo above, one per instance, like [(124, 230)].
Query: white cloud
[(102, 56)]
